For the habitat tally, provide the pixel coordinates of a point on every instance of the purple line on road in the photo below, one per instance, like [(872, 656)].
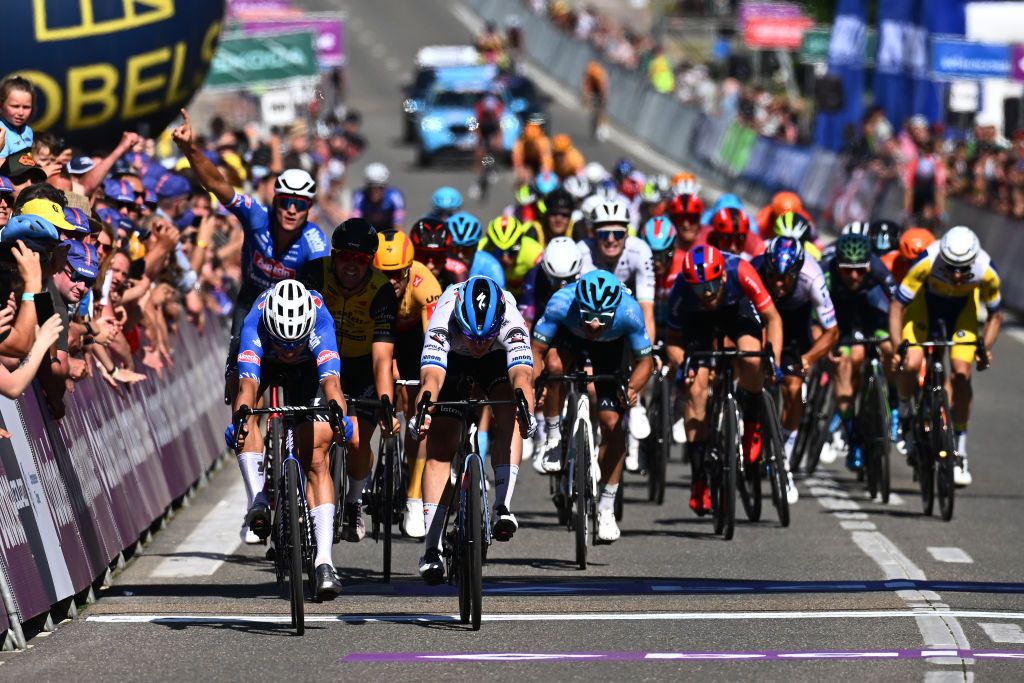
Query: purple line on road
[(441, 657)]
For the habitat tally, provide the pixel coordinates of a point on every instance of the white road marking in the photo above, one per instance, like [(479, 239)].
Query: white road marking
[(896, 499), (1003, 633), (1015, 333), (571, 616), (952, 555), (214, 538), (856, 525), (948, 677)]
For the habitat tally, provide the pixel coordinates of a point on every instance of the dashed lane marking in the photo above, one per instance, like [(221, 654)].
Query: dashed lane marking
[(1004, 633), (951, 555)]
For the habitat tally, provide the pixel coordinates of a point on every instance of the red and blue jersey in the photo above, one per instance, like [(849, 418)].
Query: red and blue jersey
[(384, 215), (741, 282)]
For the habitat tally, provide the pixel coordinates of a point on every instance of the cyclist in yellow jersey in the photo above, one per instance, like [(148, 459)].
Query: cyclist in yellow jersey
[(944, 288), (364, 306), (418, 291), (507, 241)]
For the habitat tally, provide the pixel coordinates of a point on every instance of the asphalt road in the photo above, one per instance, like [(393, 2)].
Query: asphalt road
[(852, 588)]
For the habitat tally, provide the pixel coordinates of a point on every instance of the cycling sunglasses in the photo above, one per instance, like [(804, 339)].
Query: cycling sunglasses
[(707, 290), (592, 317), (665, 256), (349, 256), (398, 275), (300, 204), (288, 347), (959, 270), (610, 234)]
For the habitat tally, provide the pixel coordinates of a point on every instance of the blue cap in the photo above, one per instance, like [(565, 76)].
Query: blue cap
[(78, 219), (171, 185), (6, 185), (118, 190), (83, 258), (114, 218), (151, 198), (123, 167), (30, 229), (81, 165)]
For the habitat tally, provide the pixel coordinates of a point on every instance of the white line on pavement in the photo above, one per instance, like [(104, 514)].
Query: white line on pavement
[(1003, 633), (582, 616), (949, 677), (953, 555), (213, 539)]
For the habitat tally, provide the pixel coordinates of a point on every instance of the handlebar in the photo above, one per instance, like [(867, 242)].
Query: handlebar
[(978, 343), (332, 409), (582, 378), (862, 341), (520, 402), (764, 354)]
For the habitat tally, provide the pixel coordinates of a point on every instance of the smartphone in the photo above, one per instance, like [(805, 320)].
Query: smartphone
[(44, 311), (137, 269)]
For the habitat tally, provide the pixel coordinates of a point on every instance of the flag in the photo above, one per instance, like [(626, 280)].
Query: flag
[(845, 60), (945, 17)]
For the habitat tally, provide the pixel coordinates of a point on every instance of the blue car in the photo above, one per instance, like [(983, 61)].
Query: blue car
[(428, 60), (447, 120)]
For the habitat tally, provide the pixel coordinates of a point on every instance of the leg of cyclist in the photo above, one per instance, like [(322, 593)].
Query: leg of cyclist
[(506, 456), (846, 380), (314, 440), (556, 360), (695, 414), (611, 457), (960, 407), (750, 372), (442, 442), (416, 460)]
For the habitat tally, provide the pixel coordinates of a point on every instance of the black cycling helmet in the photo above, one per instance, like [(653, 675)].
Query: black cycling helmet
[(559, 201), (853, 250), (355, 234), (885, 235)]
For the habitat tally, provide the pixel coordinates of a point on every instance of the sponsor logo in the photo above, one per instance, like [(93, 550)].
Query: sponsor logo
[(240, 199), (315, 240), (318, 301), (431, 357), (273, 269), (517, 335), (439, 335), (416, 281), (326, 356), (248, 356)]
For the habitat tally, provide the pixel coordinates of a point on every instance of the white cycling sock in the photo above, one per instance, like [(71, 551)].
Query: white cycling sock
[(323, 529), (551, 425), (251, 465), (961, 442), (504, 484), (789, 443), (355, 489), (433, 521), (607, 501)]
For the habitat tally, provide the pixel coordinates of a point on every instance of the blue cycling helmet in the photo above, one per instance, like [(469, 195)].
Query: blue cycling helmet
[(31, 229), (659, 233), (623, 167), (599, 292), (447, 198), (465, 229), (545, 183), (727, 201), (480, 310), (784, 256)]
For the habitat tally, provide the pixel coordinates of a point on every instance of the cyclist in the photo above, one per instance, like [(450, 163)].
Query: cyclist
[(685, 211), (417, 291), (595, 318), (379, 203), (445, 201), (490, 44), (517, 252), (475, 332), (531, 153), (912, 243), (594, 85), (466, 233), (660, 235), (720, 293), (947, 283), (861, 289), (783, 202), (654, 197), (556, 214), (797, 286), (488, 112), (432, 244), (795, 225), (629, 258), (364, 306), (288, 338), (277, 243), (885, 236), (559, 265), (568, 161), (730, 232)]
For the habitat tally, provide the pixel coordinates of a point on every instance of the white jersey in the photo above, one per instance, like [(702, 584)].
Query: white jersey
[(444, 336), (810, 288), (635, 267)]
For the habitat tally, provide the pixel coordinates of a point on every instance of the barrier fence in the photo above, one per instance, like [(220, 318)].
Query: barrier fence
[(730, 154), (76, 493)]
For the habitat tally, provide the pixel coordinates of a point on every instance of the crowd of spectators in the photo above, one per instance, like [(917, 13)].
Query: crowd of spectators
[(103, 257)]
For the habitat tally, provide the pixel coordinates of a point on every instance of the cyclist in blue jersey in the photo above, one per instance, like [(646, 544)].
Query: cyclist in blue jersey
[(379, 203), (595, 317), (288, 340), (466, 232), (278, 242), (444, 203)]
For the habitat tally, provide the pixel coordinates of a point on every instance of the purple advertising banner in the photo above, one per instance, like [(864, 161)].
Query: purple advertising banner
[(237, 8), (1017, 62), (329, 32), (768, 10)]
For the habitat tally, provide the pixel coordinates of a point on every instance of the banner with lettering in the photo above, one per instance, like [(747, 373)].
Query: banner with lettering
[(845, 60)]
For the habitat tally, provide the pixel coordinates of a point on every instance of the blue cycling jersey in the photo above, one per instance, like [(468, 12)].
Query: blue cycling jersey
[(384, 215), (535, 294), (485, 264), (563, 312), (256, 345), (262, 266)]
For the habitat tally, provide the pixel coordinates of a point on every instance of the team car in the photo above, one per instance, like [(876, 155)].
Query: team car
[(428, 60)]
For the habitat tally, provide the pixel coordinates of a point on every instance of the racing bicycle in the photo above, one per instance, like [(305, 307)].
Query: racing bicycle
[(873, 416), (658, 445)]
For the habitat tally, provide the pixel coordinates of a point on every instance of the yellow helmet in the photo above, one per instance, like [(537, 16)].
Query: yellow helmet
[(394, 251), (504, 232)]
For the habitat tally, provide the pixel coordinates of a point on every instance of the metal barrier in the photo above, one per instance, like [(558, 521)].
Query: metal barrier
[(77, 493)]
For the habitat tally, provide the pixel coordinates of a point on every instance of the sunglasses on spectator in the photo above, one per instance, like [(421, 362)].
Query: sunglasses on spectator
[(610, 234), (349, 256), (300, 204), (104, 246), (592, 317), (75, 276), (6, 198), (130, 206)]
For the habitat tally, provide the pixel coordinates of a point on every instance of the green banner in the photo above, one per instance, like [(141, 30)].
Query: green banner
[(814, 49), (736, 146), (242, 62)]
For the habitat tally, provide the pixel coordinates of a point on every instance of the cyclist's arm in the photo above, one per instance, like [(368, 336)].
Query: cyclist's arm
[(647, 307), (896, 322), (384, 310), (431, 379), (642, 369), (383, 354), (207, 174), (773, 331), (991, 297), (539, 350), (521, 377), (992, 327)]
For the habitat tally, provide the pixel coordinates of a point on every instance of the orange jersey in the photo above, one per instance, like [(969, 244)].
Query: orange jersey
[(896, 264), (421, 295), (595, 78)]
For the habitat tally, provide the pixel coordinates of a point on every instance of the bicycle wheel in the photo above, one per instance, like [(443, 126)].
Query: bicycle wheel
[(804, 430), (748, 481), (775, 462), (822, 408), (581, 495), (340, 483), (649, 446), (942, 432), (474, 538), (725, 517), (925, 458), (881, 438), (294, 544), (619, 498), (386, 504)]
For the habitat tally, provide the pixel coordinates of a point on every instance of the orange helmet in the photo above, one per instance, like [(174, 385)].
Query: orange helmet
[(784, 202), (395, 251), (561, 143), (681, 176), (914, 241)]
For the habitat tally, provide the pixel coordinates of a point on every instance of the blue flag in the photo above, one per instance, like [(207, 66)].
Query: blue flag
[(845, 60), (945, 17), (901, 60)]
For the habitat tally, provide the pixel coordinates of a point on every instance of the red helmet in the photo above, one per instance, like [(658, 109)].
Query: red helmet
[(430, 234), (686, 205), (703, 263), (733, 222)]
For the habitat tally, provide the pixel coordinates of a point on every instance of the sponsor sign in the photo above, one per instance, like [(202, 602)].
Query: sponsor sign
[(771, 33), (1017, 62), (964, 60), (329, 32), (244, 62), (815, 46)]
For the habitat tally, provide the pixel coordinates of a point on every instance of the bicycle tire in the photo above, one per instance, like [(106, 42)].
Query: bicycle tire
[(925, 459), (619, 499), (775, 462), (474, 520), (748, 481), (804, 429), (340, 481), (649, 446), (388, 503), (581, 495), (823, 407), (295, 543), (665, 440), (728, 468), (943, 432), (882, 442)]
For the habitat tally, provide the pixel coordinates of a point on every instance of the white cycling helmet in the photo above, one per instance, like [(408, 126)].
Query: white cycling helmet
[(588, 205), (561, 260), (686, 186), (959, 247), (613, 212), (576, 186), (295, 183), (856, 228), (289, 312), (595, 173), (607, 193), (376, 174)]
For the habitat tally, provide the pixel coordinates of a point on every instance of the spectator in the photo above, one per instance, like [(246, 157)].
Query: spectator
[(16, 103)]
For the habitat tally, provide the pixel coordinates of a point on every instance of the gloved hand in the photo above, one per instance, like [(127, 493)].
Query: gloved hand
[(349, 427), (418, 426), (530, 428)]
